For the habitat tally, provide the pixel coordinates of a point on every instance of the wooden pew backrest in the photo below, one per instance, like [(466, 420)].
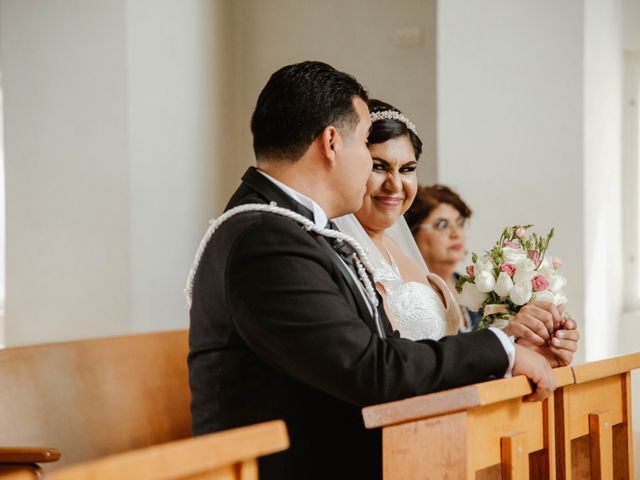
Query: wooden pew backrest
[(228, 455), (93, 398)]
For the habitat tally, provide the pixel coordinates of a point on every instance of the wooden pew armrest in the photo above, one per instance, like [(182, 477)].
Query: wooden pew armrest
[(28, 455)]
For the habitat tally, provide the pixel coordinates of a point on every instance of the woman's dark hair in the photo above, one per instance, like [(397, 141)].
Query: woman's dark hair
[(298, 102), (387, 129), (427, 199)]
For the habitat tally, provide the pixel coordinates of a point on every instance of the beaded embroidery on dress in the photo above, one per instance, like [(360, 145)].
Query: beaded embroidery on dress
[(416, 309)]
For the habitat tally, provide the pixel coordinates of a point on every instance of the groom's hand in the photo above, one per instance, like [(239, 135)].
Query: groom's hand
[(536, 323), (536, 368)]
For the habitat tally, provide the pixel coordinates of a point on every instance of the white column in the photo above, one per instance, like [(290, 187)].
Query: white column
[(510, 128)]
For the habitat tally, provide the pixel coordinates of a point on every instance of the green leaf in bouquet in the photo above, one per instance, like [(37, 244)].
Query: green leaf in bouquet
[(461, 281)]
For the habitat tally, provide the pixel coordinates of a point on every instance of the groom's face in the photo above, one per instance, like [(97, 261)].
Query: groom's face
[(354, 162)]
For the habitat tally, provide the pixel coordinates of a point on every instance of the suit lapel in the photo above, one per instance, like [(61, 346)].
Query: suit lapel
[(344, 270), (253, 182)]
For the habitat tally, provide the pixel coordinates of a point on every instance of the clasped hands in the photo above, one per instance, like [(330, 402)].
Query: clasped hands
[(544, 340)]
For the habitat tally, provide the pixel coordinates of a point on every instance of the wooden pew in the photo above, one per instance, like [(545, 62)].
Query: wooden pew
[(24, 461), (93, 398), (482, 431), (228, 455), (593, 421)]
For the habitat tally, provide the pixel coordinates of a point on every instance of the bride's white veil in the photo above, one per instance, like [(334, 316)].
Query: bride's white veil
[(399, 232)]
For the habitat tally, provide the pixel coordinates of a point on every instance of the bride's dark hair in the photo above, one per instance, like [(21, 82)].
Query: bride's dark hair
[(389, 128)]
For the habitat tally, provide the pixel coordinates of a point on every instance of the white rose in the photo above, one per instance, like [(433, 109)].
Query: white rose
[(485, 281), (546, 262), (471, 297), (544, 296), (513, 255), (525, 270), (521, 293), (483, 264), (556, 280), (560, 298), (504, 284)]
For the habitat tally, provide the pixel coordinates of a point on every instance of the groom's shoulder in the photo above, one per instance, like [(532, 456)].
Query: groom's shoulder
[(263, 223), (259, 226)]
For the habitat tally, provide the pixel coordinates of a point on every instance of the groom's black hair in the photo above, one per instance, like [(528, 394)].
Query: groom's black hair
[(298, 102)]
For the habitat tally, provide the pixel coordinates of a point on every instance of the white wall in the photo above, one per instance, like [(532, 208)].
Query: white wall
[(629, 328), (128, 127), (179, 109), (631, 25), (67, 181), (2, 224), (603, 81), (510, 121), (116, 120), (355, 36)]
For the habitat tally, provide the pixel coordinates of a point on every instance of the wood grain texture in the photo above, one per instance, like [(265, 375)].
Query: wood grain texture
[(229, 454), (515, 456), (606, 368), (28, 455), (426, 449), (93, 398), (601, 445), (600, 387), (488, 425), (561, 433), (20, 472), (454, 400), (585, 398)]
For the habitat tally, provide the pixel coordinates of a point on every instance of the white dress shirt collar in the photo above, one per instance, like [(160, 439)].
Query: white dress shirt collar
[(319, 216)]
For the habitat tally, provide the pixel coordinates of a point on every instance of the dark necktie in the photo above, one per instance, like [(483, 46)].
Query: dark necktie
[(342, 248)]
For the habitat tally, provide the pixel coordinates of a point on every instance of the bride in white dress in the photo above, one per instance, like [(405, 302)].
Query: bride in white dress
[(418, 303)]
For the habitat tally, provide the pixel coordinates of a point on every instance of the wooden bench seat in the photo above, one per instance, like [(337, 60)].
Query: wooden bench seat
[(92, 398)]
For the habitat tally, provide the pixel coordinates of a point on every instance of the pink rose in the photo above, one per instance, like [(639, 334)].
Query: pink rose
[(539, 283), (520, 232), (535, 256), (470, 270), (511, 244), (556, 262), (509, 268)]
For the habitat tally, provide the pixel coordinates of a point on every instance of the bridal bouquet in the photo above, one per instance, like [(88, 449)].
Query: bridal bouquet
[(516, 271)]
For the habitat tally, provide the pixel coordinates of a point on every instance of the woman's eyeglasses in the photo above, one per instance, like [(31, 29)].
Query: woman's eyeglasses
[(443, 225)]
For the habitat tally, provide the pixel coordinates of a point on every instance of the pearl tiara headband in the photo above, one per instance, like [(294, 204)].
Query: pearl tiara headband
[(393, 115)]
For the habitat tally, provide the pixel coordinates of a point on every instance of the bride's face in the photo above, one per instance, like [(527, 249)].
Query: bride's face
[(392, 184)]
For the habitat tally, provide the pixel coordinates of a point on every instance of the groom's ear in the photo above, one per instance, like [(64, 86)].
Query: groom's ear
[(329, 140)]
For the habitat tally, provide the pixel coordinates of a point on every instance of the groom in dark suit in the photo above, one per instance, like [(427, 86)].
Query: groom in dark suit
[(280, 325)]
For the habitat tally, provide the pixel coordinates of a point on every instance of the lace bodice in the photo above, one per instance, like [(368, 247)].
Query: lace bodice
[(416, 309)]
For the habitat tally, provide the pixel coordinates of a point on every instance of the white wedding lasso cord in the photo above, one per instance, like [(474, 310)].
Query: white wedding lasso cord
[(361, 260)]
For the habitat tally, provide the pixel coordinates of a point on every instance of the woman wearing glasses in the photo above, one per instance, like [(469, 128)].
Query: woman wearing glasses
[(437, 219), (419, 304)]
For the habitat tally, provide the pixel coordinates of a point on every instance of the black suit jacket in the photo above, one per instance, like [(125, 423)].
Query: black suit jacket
[(277, 332)]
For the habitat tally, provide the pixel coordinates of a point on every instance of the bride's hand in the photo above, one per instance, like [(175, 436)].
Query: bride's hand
[(564, 343), (535, 322)]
